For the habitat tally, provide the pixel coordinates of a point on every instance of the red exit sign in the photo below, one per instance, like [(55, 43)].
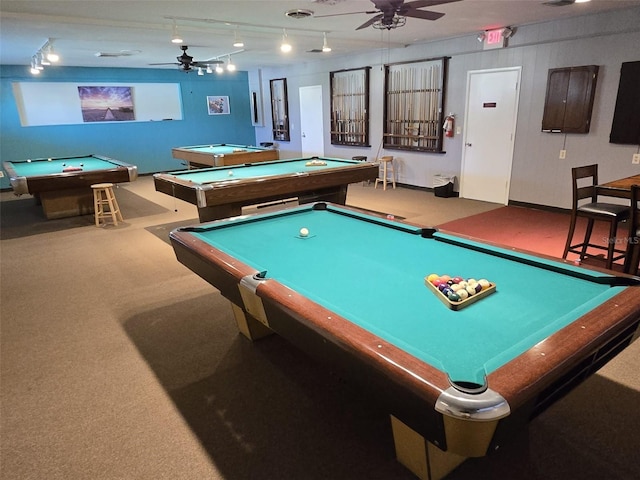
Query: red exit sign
[(493, 39)]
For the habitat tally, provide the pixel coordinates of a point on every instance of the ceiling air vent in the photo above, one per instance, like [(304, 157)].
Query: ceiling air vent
[(121, 53), (298, 13)]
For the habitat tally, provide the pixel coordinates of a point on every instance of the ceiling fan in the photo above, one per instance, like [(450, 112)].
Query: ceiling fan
[(392, 13), (186, 62)]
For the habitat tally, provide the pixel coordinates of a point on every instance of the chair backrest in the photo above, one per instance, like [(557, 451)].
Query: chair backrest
[(585, 180)]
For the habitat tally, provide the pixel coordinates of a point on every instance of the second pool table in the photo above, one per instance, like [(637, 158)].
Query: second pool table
[(222, 191), (220, 154), (458, 383), (63, 184)]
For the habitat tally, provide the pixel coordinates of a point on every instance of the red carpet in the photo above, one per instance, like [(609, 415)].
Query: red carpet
[(530, 229)]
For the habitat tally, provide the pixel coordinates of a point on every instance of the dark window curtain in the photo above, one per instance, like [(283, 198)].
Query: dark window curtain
[(625, 128)]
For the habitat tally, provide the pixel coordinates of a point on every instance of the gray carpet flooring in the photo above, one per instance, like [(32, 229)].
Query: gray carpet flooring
[(116, 362)]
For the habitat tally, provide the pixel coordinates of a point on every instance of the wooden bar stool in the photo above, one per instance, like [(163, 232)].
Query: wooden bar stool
[(387, 167), (105, 204)]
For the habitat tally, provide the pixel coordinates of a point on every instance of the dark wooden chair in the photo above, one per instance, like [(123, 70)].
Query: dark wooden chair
[(632, 258), (585, 188)]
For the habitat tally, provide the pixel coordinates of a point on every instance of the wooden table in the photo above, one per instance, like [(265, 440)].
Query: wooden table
[(621, 187)]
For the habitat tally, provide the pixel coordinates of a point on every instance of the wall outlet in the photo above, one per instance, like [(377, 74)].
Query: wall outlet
[(636, 159), (458, 130), (563, 154), (1, 174)]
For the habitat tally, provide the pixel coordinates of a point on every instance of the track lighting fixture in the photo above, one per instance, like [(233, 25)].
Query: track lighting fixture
[(325, 46), (285, 46), (200, 71), (237, 41), (45, 56), (52, 56), (230, 66), (219, 69), (34, 70), (175, 35)]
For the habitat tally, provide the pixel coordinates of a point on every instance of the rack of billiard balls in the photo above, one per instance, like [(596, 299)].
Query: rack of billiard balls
[(458, 292)]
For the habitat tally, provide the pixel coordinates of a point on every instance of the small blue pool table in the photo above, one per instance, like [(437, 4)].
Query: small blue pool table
[(63, 184), (458, 382)]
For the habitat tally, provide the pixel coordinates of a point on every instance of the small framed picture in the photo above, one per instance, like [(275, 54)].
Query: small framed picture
[(218, 105)]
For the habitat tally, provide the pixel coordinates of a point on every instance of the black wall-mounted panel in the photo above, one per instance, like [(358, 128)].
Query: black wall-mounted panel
[(625, 128)]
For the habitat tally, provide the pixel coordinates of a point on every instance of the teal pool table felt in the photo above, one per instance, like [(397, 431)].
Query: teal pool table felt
[(374, 277)]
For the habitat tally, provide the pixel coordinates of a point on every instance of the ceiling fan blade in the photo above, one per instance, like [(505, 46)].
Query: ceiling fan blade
[(387, 4), (427, 3), (348, 13), (172, 63), (204, 63), (370, 22), (424, 15)]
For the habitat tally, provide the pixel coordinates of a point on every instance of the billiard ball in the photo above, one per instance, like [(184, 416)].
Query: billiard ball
[(432, 277), (484, 283), (82, 164), (471, 290), (454, 297), (463, 294), (28, 161), (49, 159), (304, 232), (231, 173)]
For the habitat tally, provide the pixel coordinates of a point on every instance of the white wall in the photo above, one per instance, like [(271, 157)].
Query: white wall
[(538, 176)]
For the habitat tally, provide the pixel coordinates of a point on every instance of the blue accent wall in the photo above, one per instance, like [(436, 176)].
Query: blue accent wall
[(145, 144)]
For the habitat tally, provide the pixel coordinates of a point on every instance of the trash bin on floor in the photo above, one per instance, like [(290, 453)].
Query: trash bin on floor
[(443, 185)]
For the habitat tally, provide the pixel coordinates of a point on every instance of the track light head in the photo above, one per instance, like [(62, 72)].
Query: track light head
[(285, 46), (175, 35)]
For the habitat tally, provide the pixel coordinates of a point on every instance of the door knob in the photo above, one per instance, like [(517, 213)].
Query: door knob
[(468, 144)]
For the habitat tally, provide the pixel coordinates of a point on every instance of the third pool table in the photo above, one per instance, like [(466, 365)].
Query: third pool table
[(62, 185), (222, 191), (458, 382), (220, 154)]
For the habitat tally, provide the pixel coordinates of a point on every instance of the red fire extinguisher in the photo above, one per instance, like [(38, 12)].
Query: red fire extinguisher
[(449, 121)]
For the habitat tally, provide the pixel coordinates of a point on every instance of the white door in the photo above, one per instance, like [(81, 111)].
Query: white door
[(311, 131), (489, 134)]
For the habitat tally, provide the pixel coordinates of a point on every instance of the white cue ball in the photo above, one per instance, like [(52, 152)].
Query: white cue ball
[(231, 173), (304, 232)]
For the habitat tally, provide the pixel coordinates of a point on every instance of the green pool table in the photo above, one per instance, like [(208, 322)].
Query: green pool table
[(458, 383), (220, 154), (63, 184), (221, 192)]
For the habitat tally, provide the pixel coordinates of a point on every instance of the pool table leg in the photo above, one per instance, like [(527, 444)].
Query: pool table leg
[(67, 203), (333, 195), (217, 212), (424, 459), (248, 326)]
